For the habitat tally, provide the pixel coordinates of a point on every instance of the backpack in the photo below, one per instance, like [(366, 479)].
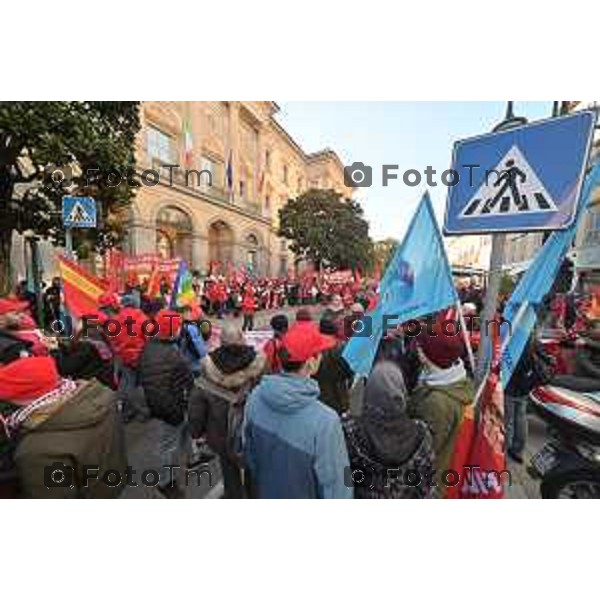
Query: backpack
[(187, 344), (235, 426)]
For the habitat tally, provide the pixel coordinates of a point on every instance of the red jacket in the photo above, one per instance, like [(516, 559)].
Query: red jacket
[(127, 347), (271, 351), (248, 304), (221, 292)]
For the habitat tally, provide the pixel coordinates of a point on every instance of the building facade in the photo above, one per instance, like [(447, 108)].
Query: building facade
[(224, 170), (586, 252), (468, 252)]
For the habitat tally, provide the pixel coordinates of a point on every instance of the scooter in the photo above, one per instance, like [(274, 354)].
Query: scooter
[(569, 463)]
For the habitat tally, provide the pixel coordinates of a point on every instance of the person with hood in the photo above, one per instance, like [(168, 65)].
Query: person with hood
[(227, 375), (279, 325), (167, 379), (385, 445), (442, 393), (53, 430), (293, 444)]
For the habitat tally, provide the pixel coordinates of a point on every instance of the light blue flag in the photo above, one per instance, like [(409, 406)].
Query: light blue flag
[(417, 281), (536, 283)]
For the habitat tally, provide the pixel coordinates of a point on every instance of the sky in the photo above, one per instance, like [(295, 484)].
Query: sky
[(412, 135)]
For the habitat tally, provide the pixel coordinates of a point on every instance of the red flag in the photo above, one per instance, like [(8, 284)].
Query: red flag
[(81, 288), (154, 283), (114, 270), (483, 467)]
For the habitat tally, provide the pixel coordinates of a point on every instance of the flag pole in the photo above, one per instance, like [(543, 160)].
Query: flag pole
[(503, 348), (467, 337)]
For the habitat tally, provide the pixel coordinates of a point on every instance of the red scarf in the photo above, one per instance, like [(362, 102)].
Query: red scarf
[(26, 379)]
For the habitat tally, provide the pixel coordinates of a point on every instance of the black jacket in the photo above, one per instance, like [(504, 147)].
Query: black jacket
[(167, 379), (533, 369), (335, 380)]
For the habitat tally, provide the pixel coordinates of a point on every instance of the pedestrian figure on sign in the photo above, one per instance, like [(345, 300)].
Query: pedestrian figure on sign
[(509, 180)]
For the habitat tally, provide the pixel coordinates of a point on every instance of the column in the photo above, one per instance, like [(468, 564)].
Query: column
[(234, 146), (199, 251), (142, 238)]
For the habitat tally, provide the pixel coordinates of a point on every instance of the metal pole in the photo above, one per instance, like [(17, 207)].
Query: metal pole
[(466, 335), (491, 300), (496, 263), (37, 284), (69, 242)]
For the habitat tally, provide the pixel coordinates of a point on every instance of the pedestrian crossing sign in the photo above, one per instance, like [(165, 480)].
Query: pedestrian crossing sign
[(524, 179), (79, 211)]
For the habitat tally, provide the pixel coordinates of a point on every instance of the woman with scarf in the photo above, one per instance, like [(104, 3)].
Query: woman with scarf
[(52, 427), (391, 455)]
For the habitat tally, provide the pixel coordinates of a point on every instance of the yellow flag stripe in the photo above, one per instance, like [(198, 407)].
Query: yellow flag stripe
[(80, 282)]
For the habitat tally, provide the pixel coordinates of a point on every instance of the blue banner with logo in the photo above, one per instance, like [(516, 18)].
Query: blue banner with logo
[(417, 282), (536, 283)]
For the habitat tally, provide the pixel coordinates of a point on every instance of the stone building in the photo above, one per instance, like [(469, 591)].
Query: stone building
[(236, 166)]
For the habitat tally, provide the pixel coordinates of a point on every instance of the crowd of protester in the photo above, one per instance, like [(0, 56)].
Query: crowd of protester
[(279, 418)]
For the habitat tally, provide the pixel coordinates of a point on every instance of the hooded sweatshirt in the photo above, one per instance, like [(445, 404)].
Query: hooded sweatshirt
[(293, 444), (387, 445), (440, 400)]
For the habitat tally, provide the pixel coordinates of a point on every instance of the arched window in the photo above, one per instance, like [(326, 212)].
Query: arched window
[(174, 233)]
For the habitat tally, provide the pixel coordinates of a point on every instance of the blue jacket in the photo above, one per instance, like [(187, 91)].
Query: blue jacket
[(192, 345), (294, 445)]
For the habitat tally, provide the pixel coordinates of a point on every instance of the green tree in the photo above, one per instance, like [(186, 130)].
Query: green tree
[(86, 141), (327, 229), (383, 250)]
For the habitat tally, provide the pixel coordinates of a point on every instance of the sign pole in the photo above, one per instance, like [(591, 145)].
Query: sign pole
[(496, 264)]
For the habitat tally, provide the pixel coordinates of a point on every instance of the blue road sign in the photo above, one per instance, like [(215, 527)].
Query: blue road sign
[(78, 211), (524, 179)]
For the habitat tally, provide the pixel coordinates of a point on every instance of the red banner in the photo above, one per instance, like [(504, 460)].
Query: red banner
[(479, 453), (338, 277), (138, 268)]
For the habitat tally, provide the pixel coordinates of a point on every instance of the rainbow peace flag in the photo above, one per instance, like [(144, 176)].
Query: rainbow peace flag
[(183, 292)]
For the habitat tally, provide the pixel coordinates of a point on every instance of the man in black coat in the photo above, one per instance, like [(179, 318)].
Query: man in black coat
[(167, 379)]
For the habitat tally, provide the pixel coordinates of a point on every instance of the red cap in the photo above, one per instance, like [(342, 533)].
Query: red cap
[(304, 341), (169, 323), (28, 378), (108, 299), (442, 350), (8, 305)]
